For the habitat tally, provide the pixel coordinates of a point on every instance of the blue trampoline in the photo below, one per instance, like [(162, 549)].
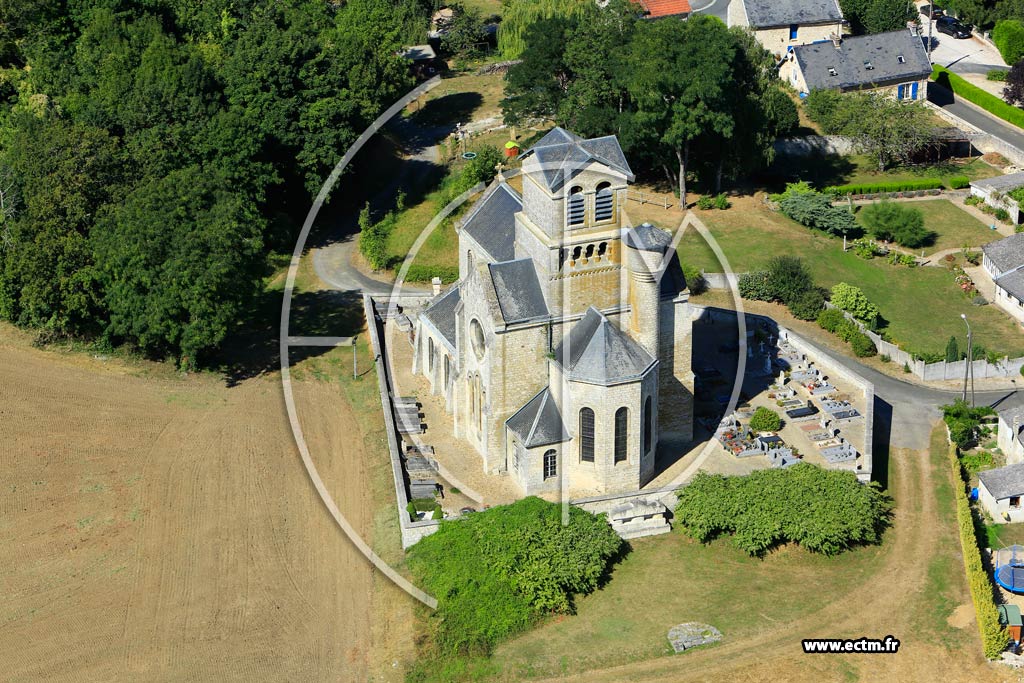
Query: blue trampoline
[(1009, 568)]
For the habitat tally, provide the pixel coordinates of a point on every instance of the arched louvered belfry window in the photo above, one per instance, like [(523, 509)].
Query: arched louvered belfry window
[(648, 418), (604, 202), (577, 207), (621, 433), (587, 435)]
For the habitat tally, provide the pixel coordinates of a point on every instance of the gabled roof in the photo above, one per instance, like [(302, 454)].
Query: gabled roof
[(597, 352), (441, 313), (492, 223), (518, 290), (767, 13), (560, 153), (862, 61), (539, 423), (1004, 482), (1003, 183), (656, 9), (1006, 254), (1012, 283)]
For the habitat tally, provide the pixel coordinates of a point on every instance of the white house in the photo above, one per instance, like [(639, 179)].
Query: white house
[(1009, 437), (995, 191), (1000, 492), (1003, 260)]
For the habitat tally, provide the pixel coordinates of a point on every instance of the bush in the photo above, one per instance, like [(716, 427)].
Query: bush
[(814, 210), (864, 248), (1008, 35), (831, 319), (789, 278), (824, 511), (973, 93), (418, 273), (411, 509), (756, 286), (898, 259), (862, 345), (706, 203), (963, 421), (994, 636), (973, 200), (959, 182), (694, 279), (722, 202), (438, 512), (897, 223), (808, 305), (874, 188), (847, 330), (1002, 215), (765, 420), (373, 238), (496, 572), (852, 300)]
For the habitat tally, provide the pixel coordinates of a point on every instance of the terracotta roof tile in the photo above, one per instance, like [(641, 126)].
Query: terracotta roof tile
[(665, 8)]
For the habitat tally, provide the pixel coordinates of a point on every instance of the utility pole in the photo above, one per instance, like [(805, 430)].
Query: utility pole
[(969, 367), (931, 11)]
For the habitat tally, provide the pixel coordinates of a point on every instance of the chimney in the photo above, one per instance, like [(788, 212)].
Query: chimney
[(837, 40)]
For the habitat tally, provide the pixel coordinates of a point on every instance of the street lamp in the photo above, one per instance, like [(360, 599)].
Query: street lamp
[(969, 365)]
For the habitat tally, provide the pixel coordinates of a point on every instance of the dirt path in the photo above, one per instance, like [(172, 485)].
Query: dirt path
[(875, 610), (161, 528)]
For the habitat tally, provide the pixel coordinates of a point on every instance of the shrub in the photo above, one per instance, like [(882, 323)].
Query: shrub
[(420, 273), (898, 259), (755, 286), (973, 93), (706, 203), (815, 210), (824, 511), (864, 248), (722, 202), (895, 222), (765, 420), (963, 421), (998, 75), (994, 636), (852, 300), (496, 572), (884, 358), (808, 305), (789, 278), (1008, 35), (952, 350), (973, 200), (694, 279), (831, 319), (1002, 215), (373, 238), (874, 188), (959, 182), (411, 509), (847, 330), (862, 345), (438, 512)]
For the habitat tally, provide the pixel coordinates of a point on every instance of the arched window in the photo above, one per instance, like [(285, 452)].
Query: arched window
[(604, 202), (447, 370), (577, 209), (647, 425), (587, 435), (550, 464), (621, 433), (430, 355)]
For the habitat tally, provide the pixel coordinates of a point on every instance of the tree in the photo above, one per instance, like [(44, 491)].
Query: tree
[(814, 209), (681, 77), (1008, 35), (876, 16), (520, 18), (464, 32), (952, 350), (537, 85), (789, 278), (765, 420), (808, 305), (1013, 91), (892, 221)]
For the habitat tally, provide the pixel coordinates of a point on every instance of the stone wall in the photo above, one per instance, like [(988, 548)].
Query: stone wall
[(981, 140), (813, 145)]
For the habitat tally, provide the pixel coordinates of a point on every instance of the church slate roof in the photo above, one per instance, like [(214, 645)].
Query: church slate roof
[(646, 237), (600, 353), (492, 223), (862, 61), (518, 290), (441, 313), (539, 423), (560, 152), (768, 13)]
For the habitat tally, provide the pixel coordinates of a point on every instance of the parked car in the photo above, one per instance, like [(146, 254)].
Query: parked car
[(952, 27), (936, 11)]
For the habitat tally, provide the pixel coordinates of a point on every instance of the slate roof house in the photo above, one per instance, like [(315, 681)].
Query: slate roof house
[(1010, 434), (563, 351), (1000, 492), (1003, 260), (780, 25), (895, 62)]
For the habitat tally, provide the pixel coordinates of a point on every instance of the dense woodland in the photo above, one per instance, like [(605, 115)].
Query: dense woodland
[(153, 152)]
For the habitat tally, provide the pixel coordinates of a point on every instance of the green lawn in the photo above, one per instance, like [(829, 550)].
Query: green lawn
[(922, 305), (955, 227), (832, 169), (671, 579)]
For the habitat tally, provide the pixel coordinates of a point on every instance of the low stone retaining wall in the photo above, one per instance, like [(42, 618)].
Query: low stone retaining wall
[(811, 145), (981, 140)]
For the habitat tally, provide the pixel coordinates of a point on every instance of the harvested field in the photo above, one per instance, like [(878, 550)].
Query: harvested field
[(158, 527)]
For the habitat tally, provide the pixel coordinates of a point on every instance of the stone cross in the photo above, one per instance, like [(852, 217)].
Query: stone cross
[(499, 168)]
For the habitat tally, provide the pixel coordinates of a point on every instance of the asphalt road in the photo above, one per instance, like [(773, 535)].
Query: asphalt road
[(977, 118)]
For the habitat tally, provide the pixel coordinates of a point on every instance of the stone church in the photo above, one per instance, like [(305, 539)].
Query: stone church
[(563, 351)]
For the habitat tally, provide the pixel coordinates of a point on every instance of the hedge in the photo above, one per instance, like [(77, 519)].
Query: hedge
[(421, 273), (993, 635), (959, 182), (1008, 35), (897, 186), (973, 93)]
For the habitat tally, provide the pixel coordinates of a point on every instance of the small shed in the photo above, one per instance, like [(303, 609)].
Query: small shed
[(1009, 616), (1000, 492), (996, 193)]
